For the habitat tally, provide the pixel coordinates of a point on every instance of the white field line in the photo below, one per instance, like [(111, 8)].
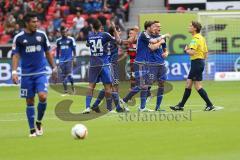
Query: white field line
[(51, 116)]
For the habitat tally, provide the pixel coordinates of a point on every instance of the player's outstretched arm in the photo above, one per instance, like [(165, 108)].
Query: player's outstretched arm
[(15, 61), (116, 35)]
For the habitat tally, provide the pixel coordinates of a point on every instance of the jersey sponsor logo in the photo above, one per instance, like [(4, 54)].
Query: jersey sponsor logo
[(39, 38), (64, 47), (30, 49)]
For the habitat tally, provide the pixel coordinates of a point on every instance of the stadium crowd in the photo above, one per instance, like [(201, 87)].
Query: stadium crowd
[(76, 15)]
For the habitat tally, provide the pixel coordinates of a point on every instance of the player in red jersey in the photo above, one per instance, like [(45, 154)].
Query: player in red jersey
[(131, 51)]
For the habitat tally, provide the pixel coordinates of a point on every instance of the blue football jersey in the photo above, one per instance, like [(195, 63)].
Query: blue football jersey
[(155, 57), (31, 47), (142, 47), (98, 43), (113, 51), (65, 48)]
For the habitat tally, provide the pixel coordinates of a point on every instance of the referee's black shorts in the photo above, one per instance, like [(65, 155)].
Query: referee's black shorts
[(196, 71)]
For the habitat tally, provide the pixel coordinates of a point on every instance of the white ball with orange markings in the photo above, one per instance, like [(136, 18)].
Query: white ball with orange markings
[(79, 131)]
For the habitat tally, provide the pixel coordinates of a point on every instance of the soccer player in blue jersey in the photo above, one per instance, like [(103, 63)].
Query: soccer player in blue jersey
[(141, 70), (31, 47), (66, 55), (113, 56), (100, 63), (156, 64)]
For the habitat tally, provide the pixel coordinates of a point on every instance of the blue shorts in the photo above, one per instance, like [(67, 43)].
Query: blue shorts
[(115, 73), (66, 68), (141, 72), (196, 71), (33, 84), (100, 73), (157, 73)]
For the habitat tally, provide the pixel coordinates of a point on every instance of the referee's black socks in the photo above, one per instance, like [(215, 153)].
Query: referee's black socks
[(204, 96), (186, 95)]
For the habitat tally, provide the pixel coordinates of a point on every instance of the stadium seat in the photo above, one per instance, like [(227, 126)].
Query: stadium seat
[(84, 16), (108, 16), (5, 39), (49, 17), (1, 29), (95, 15), (70, 18), (51, 10), (64, 10)]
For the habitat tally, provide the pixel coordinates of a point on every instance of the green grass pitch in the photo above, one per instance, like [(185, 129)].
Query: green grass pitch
[(209, 135)]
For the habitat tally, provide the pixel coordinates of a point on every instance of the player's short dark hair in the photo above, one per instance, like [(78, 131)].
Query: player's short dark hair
[(111, 30), (197, 25), (27, 18), (63, 28), (96, 24), (148, 24), (156, 22)]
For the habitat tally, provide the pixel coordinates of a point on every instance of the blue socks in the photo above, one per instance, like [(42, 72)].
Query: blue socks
[(159, 98), (134, 91), (143, 96), (65, 84), (41, 110), (30, 111), (100, 97), (109, 103), (70, 79), (88, 101), (115, 97), (65, 81)]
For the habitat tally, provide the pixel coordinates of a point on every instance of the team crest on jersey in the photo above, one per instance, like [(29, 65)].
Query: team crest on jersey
[(39, 38), (25, 41), (67, 42)]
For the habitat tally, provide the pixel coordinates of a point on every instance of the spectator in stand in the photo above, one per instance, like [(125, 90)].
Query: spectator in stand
[(107, 26), (51, 37), (10, 24), (76, 6), (90, 19), (16, 11), (40, 11), (78, 21), (57, 21), (112, 5), (87, 7), (20, 20), (98, 5), (84, 31), (16, 30), (118, 20), (102, 18), (50, 31), (12, 12)]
